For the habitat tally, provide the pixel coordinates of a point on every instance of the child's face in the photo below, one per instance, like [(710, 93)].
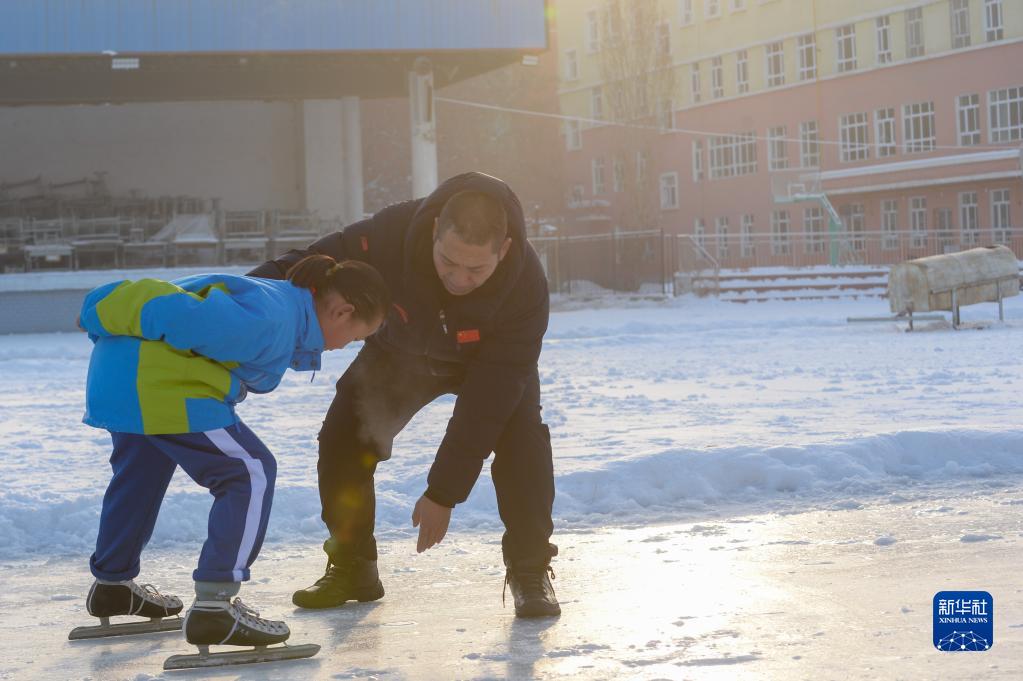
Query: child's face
[(339, 324)]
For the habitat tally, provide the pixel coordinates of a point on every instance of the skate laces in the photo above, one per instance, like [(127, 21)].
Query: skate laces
[(244, 614), (529, 580), (149, 593)]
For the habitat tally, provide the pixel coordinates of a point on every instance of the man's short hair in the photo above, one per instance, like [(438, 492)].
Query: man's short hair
[(477, 218)]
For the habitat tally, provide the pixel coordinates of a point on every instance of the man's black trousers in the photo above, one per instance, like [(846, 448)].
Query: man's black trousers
[(376, 398)]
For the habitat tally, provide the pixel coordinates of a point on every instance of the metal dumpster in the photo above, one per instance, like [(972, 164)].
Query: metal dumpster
[(947, 282)]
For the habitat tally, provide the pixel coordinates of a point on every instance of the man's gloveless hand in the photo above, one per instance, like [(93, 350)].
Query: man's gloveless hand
[(432, 520)]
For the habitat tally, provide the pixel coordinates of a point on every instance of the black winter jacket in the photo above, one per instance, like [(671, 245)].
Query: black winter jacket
[(490, 337)]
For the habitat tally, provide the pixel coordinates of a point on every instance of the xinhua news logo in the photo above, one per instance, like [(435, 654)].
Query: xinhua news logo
[(964, 621)]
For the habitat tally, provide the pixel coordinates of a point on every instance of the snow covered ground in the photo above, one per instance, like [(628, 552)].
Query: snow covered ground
[(744, 491)]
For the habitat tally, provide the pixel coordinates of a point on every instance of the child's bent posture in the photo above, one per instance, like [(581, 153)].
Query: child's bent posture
[(170, 362)]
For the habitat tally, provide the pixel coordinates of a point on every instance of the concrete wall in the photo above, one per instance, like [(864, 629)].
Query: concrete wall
[(39, 311)]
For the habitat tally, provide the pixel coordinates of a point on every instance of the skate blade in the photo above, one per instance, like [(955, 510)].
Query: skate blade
[(126, 629), (251, 656)]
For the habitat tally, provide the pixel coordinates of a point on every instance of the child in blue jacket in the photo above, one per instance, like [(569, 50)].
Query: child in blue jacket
[(170, 361)]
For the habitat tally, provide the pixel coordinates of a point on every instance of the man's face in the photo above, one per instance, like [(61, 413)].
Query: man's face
[(461, 266)]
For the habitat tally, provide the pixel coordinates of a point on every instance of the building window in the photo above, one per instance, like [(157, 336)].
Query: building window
[(618, 174), (592, 31), (943, 228), (742, 71), (883, 35), (993, 25), (809, 145), (666, 115), (960, 15), (732, 155), (775, 60), (642, 160), (806, 46), (697, 160), (578, 191), (914, 32), (597, 166), (889, 224), (854, 130), (642, 105), (721, 232), (1005, 114), (711, 9), (1000, 216), (845, 45), (663, 40), (813, 229), (669, 191), (855, 225), (777, 148), (686, 12), (746, 236), (573, 135), (918, 127), (596, 103), (779, 232), (968, 119), (918, 221), (571, 65), (717, 78), (884, 132), (738, 5), (968, 222), (694, 82), (700, 232)]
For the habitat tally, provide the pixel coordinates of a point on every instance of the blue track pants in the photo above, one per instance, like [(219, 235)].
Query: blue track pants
[(232, 463)]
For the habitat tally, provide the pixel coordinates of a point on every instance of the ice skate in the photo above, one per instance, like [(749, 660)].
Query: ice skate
[(232, 623), (128, 598)]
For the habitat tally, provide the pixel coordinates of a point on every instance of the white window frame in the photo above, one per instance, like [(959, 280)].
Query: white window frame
[(781, 229), (889, 224), (854, 219), (711, 9), (571, 66), (721, 237), (884, 132), (845, 48), (573, 135), (918, 221), (806, 47), (700, 233), (578, 193), (669, 190), (617, 175), (737, 5), (663, 40), (742, 71), (1005, 114), (969, 218), (854, 134), (665, 115), (774, 64), (809, 145), (597, 103), (642, 163), (747, 248), (814, 230), (968, 131), (959, 16), (686, 13), (918, 128), (732, 155), (914, 20), (592, 31), (777, 148), (883, 40), (694, 82), (1001, 215), (717, 78), (698, 173), (994, 20), (599, 182)]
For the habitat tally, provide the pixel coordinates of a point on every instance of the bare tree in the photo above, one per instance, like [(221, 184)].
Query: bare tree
[(639, 82)]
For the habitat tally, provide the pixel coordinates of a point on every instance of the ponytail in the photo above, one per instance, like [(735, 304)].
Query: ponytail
[(359, 283)]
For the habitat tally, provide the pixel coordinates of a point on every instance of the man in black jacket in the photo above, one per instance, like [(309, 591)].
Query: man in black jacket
[(470, 311)]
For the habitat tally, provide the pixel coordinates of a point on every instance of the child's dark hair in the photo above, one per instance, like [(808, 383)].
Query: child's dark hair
[(359, 283)]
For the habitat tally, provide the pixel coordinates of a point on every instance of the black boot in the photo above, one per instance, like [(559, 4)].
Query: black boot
[(129, 598), (231, 623), (531, 588), (347, 578)]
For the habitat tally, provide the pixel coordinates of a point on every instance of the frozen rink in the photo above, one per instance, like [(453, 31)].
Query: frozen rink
[(744, 492)]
